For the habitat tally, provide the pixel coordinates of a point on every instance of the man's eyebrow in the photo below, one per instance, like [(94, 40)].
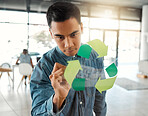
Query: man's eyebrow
[(74, 32), (69, 34), (58, 35)]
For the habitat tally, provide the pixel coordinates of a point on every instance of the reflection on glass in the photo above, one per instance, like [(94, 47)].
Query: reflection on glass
[(103, 23), (85, 21), (85, 35), (40, 39), (130, 25), (37, 18), (128, 47), (110, 41), (104, 11), (13, 16), (96, 34), (13, 40)]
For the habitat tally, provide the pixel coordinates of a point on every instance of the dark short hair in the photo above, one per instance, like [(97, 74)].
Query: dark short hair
[(25, 50), (61, 11)]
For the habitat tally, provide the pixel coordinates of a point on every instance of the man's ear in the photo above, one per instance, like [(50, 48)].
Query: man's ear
[(81, 27), (51, 33)]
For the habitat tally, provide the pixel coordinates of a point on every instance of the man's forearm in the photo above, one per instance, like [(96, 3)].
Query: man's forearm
[(57, 103), (17, 61)]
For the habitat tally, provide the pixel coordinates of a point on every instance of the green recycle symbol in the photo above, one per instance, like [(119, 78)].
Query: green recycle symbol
[(74, 66)]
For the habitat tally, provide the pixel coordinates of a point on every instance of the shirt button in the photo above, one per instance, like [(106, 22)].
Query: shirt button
[(80, 102)]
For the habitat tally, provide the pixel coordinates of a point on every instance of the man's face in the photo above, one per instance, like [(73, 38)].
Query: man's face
[(67, 35), (24, 52)]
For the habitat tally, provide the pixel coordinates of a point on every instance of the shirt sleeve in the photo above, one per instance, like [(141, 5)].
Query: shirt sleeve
[(42, 92), (100, 104)]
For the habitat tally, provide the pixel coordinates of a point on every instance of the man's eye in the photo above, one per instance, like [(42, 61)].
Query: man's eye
[(60, 37), (74, 34)]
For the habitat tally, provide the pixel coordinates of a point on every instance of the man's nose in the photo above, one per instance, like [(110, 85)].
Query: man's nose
[(68, 42)]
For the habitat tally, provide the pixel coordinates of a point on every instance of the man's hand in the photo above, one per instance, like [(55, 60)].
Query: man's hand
[(60, 85)]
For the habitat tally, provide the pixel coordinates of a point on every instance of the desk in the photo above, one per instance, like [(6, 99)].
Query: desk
[(7, 70), (13, 67)]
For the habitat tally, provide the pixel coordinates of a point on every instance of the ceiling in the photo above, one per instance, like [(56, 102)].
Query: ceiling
[(42, 5)]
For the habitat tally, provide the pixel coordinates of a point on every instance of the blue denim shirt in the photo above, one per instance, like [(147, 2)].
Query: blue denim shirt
[(25, 58), (77, 103)]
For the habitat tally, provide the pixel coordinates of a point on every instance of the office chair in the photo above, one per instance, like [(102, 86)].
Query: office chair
[(25, 69)]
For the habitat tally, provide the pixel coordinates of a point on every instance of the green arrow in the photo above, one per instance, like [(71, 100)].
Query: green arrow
[(85, 51), (78, 84), (71, 70), (111, 70), (105, 84), (99, 47)]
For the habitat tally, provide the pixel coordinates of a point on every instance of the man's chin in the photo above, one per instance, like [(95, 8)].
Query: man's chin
[(70, 54)]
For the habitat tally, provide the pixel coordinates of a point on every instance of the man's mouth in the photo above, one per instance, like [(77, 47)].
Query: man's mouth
[(70, 50)]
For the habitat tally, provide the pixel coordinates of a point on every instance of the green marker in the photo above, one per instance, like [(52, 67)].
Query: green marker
[(105, 84), (78, 84), (111, 70), (99, 47), (85, 51), (71, 70)]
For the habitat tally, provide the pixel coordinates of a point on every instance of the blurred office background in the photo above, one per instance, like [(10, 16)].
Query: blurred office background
[(120, 24)]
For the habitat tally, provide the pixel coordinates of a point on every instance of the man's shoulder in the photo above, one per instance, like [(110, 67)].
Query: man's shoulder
[(50, 53), (93, 54), (49, 56), (21, 54)]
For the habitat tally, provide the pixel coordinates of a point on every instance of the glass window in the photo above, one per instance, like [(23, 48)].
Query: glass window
[(13, 39), (110, 41), (85, 21), (96, 34), (85, 35), (40, 39), (37, 18), (83, 10), (13, 16), (130, 13), (103, 23), (128, 47), (129, 25), (104, 11)]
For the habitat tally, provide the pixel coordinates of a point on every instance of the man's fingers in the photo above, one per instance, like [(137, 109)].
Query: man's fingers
[(50, 76), (58, 66), (59, 72), (57, 75), (58, 78)]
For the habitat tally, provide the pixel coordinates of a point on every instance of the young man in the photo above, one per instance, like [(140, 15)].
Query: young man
[(50, 92)]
